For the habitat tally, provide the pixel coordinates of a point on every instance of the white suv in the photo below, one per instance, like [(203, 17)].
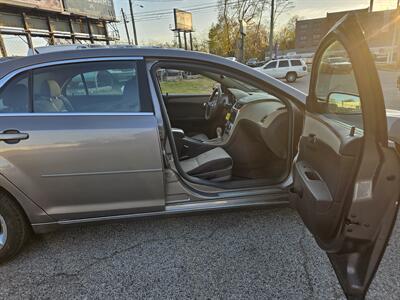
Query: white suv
[(290, 69)]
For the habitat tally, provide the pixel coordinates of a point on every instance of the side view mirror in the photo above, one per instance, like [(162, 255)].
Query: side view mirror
[(344, 102)]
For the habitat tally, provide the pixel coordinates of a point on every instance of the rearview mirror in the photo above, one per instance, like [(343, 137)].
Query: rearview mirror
[(344, 103)]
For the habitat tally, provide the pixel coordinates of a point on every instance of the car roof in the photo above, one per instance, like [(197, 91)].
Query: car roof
[(105, 52), (10, 66)]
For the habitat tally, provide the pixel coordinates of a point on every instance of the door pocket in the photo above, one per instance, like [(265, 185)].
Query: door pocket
[(314, 199)]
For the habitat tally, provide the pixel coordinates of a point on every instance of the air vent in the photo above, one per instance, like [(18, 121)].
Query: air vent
[(238, 105)]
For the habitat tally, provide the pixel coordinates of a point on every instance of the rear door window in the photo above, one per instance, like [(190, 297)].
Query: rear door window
[(283, 63), (95, 87)]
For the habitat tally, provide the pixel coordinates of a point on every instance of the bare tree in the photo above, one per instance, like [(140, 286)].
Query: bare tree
[(224, 35)]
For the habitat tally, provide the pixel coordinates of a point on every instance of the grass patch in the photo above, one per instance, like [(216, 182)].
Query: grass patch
[(198, 86)]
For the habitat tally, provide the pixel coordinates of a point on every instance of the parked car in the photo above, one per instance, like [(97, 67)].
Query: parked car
[(254, 63), (131, 146), (339, 65), (232, 58), (290, 69)]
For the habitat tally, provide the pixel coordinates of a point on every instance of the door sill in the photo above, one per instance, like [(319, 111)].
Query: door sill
[(277, 200)]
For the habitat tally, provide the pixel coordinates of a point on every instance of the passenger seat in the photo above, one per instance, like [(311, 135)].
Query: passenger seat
[(215, 165)]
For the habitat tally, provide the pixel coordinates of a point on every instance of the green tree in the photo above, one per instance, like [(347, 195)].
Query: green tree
[(224, 36), (286, 36)]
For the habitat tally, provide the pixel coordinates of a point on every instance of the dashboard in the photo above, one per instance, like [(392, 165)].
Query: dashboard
[(259, 108)]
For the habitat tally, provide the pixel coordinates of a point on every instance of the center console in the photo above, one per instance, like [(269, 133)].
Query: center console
[(231, 117)]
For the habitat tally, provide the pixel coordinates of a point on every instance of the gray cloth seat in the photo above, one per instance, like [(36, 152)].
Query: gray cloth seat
[(200, 137), (215, 165), (51, 99)]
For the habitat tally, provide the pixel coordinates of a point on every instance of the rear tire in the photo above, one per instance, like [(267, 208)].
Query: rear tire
[(291, 77), (14, 228)]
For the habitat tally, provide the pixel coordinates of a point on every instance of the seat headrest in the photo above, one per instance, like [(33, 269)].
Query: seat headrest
[(50, 88)]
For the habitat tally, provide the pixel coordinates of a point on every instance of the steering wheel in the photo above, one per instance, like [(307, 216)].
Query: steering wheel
[(214, 103)]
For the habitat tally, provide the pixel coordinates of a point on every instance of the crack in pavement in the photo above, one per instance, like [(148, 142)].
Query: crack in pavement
[(84, 269)]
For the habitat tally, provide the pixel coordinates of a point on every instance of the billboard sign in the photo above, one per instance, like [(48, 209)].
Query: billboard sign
[(98, 9), (183, 20), (53, 5)]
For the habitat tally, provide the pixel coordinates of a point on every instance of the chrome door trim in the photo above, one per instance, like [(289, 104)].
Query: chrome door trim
[(10, 75)]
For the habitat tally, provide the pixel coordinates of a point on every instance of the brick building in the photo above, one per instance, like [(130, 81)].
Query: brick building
[(379, 29)]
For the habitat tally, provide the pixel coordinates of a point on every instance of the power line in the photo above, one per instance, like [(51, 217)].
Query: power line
[(163, 15)]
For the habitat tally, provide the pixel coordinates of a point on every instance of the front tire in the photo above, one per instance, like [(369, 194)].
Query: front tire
[(291, 77), (14, 228)]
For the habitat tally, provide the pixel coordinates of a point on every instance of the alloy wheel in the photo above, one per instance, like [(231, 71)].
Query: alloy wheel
[(3, 232)]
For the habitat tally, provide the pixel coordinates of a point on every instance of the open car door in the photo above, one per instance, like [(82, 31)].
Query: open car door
[(347, 174)]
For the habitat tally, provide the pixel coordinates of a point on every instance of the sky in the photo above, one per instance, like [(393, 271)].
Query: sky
[(156, 28)]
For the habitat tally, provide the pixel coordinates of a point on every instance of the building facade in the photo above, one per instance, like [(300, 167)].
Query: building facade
[(380, 30)]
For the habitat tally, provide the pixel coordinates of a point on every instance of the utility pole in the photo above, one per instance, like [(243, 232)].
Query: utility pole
[(243, 27), (126, 25), (395, 40), (271, 30), (397, 37), (371, 5), (133, 22)]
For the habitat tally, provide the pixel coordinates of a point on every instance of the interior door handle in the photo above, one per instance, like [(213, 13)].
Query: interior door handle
[(312, 138), (13, 136)]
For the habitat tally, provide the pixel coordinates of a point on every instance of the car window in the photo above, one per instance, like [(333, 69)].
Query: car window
[(283, 63), (88, 87), (14, 97), (178, 82), (76, 86), (271, 65), (337, 88), (295, 62)]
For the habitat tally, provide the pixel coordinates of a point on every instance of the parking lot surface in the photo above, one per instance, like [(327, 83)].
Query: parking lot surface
[(257, 254), (388, 83)]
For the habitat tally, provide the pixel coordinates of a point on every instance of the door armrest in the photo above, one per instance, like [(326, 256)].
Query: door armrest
[(178, 133)]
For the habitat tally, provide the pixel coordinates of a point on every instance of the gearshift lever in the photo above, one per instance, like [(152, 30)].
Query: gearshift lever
[(219, 132)]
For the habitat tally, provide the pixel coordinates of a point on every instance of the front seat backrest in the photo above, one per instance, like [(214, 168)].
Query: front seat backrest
[(50, 91)]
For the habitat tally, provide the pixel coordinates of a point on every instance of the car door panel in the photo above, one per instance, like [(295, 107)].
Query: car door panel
[(346, 174), (323, 170), (184, 107), (187, 112), (83, 166)]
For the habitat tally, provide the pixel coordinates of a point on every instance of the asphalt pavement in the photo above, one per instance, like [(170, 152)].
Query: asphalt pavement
[(388, 83), (257, 254)]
